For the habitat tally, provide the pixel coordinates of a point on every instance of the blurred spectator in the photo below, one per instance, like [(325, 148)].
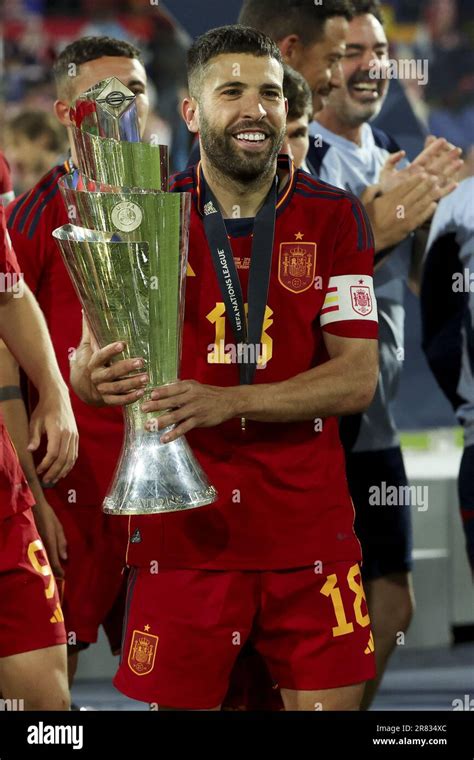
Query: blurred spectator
[(35, 141), (450, 88), (103, 20), (167, 69)]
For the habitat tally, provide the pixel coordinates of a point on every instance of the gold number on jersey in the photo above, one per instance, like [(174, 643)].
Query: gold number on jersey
[(355, 584), (330, 589), (217, 317), (218, 355), (45, 570)]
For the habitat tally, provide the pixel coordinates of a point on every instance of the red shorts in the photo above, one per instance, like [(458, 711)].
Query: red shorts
[(30, 612), (94, 587), (185, 628)]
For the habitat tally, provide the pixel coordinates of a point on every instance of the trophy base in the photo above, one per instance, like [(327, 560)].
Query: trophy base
[(154, 478)]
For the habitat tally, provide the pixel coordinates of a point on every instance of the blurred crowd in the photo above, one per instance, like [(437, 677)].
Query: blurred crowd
[(35, 31)]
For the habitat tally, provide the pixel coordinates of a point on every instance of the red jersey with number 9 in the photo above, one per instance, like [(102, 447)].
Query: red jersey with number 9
[(15, 495), (283, 496)]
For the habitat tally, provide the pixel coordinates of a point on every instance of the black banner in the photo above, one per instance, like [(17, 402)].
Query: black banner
[(123, 735)]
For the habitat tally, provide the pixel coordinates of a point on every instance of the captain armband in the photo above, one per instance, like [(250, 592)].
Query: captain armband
[(349, 298)]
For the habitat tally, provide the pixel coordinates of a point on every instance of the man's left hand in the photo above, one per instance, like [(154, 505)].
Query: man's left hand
[(188, 404)]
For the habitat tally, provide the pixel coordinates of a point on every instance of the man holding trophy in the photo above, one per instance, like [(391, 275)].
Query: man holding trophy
[(278, 339)]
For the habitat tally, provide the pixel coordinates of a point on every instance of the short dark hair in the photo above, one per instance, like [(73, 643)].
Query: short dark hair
[(280, 18), (297, 92), (89, 49), (36, 124), (372, 7), (227, 39)]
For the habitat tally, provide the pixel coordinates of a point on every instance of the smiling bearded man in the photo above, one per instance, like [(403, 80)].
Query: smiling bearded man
[(275, 559)]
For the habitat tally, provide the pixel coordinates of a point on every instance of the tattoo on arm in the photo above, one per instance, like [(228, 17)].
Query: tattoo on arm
[(10, 392)]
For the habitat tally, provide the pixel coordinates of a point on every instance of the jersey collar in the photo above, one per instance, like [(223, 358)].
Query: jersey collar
[(284, 163)]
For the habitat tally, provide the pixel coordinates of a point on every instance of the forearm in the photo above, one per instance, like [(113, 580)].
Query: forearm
[(16, 421), (335, 388), (14, 414), (24, 330), (385, 236)]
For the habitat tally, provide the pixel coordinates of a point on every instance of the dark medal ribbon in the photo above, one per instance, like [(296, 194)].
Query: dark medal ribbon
[(247, 330)]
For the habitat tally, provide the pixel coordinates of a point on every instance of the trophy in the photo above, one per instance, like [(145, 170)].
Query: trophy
[(126, 253)]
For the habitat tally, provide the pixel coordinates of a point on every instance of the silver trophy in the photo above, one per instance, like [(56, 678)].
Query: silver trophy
[(126, 252)]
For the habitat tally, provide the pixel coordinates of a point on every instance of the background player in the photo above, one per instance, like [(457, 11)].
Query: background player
[(96, 543), (311, 37), (32, 634)]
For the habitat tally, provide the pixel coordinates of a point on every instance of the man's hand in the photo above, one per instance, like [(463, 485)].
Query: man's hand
[(442, 160), (439, 159), (100, 383), (53, 416), (399, 212), (390, 177), (52, 535), (189, 404), (24, 330), (114, 383), (79, 376)]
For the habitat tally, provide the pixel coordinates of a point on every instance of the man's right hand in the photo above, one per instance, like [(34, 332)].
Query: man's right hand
[(99, 383), (114, 383)]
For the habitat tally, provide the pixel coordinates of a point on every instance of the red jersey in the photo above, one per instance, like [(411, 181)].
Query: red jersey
[(6, 186), (15, 495), (283, 496), (31, 220)]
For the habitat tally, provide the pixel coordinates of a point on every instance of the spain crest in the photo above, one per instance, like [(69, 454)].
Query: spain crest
[(361, 299), (297, 266), (142, 653)]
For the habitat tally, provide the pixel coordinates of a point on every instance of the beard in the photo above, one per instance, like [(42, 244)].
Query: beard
[(225, 156)]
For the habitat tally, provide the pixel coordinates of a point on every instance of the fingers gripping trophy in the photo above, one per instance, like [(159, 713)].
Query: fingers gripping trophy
[(126, 254)]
